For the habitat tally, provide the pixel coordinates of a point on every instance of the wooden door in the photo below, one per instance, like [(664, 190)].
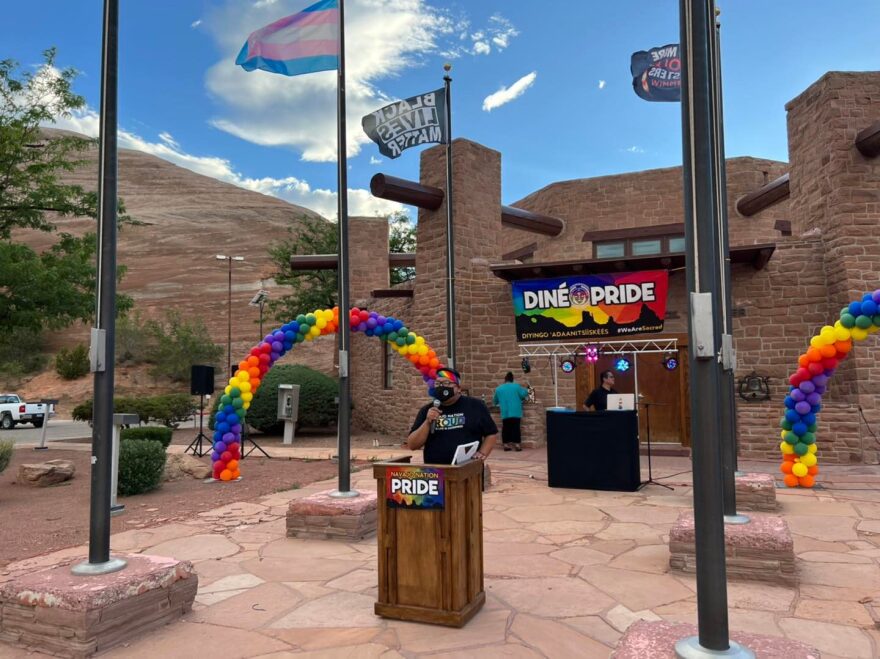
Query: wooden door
[(659, 399)]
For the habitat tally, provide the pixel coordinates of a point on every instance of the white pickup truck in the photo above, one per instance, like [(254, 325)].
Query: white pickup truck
[(14, 410)]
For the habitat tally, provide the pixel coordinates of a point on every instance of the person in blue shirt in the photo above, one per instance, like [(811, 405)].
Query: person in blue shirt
[(509, 396)]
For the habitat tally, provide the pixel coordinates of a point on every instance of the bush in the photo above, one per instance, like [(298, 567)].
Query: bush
[(167, 409), (317, 393), (5, 453), (150, 433), (20, 353), (72, 364), (174, 345), (141, 463)]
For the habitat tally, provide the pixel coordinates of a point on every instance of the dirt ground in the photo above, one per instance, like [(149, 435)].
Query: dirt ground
[(40, 520)]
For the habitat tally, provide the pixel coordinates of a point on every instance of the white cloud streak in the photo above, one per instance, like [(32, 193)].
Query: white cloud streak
[(601, 84), (507, 94)]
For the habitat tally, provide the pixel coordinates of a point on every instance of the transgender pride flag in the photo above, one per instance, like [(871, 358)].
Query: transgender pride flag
[(303, 43)]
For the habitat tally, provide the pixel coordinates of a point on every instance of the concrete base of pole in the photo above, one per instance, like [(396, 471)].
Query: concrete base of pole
[(339, 494), (737, 519), (117, 509), (690, 648), (325, 516), (91, 569)]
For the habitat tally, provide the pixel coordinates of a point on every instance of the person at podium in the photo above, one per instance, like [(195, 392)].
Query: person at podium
[(597, 401), (450, 420)]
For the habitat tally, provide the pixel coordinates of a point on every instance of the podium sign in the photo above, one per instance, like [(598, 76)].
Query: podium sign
[(430, 542), (414, 486)]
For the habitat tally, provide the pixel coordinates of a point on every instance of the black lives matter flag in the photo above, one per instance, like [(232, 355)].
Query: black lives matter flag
[(410, 122), (657, 73)]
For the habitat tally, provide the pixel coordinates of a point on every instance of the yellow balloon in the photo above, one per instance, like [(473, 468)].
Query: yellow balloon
[(799, 469), (786, 448), (422, 349), (412, 349), (233, 381), (243, 376), (227, 389), (314, 330), (858, 334), (321, 323), (817, 342), (809, 459), (247, 396), (827, 335), (420, 340), (872, 329), (812, 448), (246, 405), (782, 433), (309, 336), (245, 387)]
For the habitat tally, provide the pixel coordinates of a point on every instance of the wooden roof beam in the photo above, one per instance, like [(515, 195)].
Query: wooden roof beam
[(764, 197), (868, 141)]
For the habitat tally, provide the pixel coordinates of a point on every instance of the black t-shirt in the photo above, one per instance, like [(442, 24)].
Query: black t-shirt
[(467, 420), (598, 398)]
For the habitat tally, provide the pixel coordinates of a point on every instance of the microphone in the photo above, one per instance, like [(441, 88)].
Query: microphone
[(436, 405)]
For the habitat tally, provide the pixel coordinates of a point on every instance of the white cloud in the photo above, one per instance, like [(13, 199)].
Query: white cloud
[(601, 84), (375, 161), (482, 48), (291, 188), (195, 24), (634, 149), (507, 94)]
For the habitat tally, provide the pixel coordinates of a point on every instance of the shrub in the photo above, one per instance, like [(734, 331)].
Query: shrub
[(141, 463), (20, 353), (174, 345), (151, 433), (72, 364), (317, 393), (5, 453), (167, 409)]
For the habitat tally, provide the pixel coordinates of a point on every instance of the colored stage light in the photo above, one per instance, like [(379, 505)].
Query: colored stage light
[(567, 365), (671, 363), (622, 364), (591, 354)]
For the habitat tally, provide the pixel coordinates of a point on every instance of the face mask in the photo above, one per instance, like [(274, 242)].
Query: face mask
[(444, 393)]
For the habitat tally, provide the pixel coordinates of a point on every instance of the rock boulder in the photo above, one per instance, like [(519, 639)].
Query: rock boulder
[(178, 466), (44, 474)]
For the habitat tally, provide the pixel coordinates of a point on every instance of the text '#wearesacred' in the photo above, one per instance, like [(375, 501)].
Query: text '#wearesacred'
[(403, 124), (657, 73), (590, 306)]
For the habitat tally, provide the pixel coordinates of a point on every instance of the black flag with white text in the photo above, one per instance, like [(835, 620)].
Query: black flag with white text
[(657, 73), (413, 121)]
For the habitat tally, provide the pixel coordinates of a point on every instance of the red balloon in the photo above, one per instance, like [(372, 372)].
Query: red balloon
[(265, 348), (829, 362), (364, 315), (226, 456), (354, 310), (255, 351), (264, 358), (816, 368)]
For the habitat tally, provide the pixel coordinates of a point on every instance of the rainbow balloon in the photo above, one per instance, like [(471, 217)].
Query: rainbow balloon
[(815, 368), (230, 417)]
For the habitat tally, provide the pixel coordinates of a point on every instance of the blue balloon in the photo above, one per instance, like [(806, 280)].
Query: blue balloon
[(799, 428), (789, 402), (388, 327), (397, 324), (220, 417), (368, 332), (228, 408), (218, 435), (222, 427), (869, 307), (793, 416), (289, 336), (855, 308), (294, 326), (232, 419), (809, 419), (287, 346), (814, 409)]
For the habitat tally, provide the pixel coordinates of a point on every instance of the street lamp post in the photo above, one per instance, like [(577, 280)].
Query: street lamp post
[(229, 260), (259, 300)]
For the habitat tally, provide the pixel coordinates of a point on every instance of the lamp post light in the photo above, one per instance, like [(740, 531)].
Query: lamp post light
[(259, 300), (229, 260)]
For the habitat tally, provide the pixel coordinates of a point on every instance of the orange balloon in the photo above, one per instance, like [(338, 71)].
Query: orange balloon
[(225, 475), (434, 363), (803, 361), (236, 474), (786, 466), (806, 481), (790, 480), (423, 360), (843, 346), (814, 354), (253, 361), (828, 350), (254, 372), (790, 457), (232, 465), (812, 471), (243, 365), (255, 382)]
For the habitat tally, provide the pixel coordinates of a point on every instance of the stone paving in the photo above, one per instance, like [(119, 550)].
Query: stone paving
[(566, 572)]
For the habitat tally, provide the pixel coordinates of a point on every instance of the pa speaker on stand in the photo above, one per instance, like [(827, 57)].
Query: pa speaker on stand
[(201, 385)]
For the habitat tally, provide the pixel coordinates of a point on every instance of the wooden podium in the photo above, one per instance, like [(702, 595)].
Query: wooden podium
[(430, 559)]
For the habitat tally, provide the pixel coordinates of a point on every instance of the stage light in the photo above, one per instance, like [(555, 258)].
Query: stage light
[(567, 365), (591, 354), (526, 366), (622, 364), (671, 363)]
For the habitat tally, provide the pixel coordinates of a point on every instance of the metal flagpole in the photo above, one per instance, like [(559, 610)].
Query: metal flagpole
[(450, 235), (102, 335), (701, 229), (344, 332), (727, 420)]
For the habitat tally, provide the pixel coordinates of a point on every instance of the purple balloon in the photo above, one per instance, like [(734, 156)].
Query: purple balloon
[(819, 380), (228, 437), (214, 456), (362, 327), (814, 398), (277, 346), (807, 387), (278, 334), (236, 430), (220, 447), (371, 323), (797, 395), (876, 296), (268, 338), (425, 378), (373, 314), (381, 320), (274, 356), (802, 408), (820, 389), (829, 372)]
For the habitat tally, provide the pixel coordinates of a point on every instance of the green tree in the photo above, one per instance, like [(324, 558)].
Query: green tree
[(317, 289), (53, 289), (174, 345)]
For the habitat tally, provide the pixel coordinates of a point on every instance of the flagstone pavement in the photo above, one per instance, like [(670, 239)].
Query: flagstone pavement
[(566, 572)]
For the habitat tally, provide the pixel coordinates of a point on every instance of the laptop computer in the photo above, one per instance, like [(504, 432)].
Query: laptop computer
[(621, 402)]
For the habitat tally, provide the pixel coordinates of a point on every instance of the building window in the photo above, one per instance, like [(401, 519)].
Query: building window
[(387, 366), (610, 249)]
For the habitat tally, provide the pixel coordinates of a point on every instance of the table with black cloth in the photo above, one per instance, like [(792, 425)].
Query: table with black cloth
[(593, 450)]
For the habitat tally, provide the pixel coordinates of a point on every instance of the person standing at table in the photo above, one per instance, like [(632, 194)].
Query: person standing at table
[(597, 401), (509, 396)]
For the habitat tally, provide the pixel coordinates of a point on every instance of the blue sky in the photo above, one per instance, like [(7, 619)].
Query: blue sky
[(182, 98)]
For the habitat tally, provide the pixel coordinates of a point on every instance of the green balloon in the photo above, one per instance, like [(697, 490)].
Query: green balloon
[(400, 341), (790, 438), (392, 336), (844, 310), (808, 438), (234, 393), (785, 424), (847, 320), (876, 320), (301, 319), (402, 331), (225, 399), (237, 402), (863, 321), (800, 448), (311, 319), (812, 427), (410, 338)]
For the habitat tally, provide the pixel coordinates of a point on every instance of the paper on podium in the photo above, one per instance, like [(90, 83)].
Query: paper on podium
[(465, 453)]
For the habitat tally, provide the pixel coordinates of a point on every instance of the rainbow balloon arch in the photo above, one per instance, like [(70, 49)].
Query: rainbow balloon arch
[(815, 368), (230, 417)]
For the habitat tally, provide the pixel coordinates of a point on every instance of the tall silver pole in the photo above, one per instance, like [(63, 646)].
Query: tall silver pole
[(450, 234), (344, 439), (700, 178), (229, 372), (103, 344)]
